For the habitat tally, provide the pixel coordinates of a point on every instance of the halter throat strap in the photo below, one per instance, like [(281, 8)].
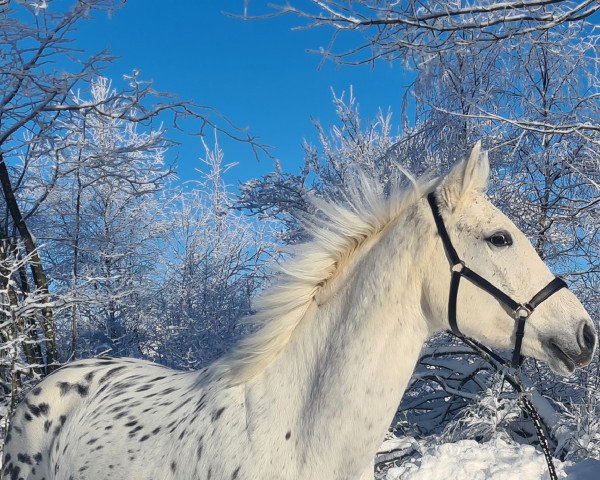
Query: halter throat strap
[(519, 311)]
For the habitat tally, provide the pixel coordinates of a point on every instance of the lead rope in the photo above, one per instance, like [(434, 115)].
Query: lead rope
[(539, 430), (499, 364)]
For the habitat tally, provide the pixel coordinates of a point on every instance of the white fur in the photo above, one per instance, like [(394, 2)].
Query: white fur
[(312, 393)]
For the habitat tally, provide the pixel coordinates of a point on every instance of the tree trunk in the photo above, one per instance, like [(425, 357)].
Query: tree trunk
[(75, 280), (37, 270)]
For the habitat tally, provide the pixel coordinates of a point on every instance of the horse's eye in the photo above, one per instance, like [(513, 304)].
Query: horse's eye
[(500, 239)]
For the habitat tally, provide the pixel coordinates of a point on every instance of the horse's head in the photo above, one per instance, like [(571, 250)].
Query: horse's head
[(559, 331)]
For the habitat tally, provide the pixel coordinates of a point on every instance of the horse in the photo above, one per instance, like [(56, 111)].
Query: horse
[(311, 393)]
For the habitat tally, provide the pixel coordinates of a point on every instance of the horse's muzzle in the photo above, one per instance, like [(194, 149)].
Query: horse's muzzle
[(571, 355)]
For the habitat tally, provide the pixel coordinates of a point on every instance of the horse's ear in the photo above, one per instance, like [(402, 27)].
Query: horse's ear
[(466, 176)]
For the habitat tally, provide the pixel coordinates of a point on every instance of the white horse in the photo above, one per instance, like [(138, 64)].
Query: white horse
[(311, 394)]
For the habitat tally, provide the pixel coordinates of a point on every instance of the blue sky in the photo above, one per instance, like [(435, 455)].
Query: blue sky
[(257, 73)]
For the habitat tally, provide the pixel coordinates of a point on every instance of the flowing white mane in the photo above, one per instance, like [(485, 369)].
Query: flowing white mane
[(337, 231)]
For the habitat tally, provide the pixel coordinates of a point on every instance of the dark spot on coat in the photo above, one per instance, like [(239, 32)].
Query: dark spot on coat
[(24, 458), (288, 435), (41, 409), (180, 405), (217, 414), (133, 432), (82, 390), (64, 388), (14, 472), (110, 373)]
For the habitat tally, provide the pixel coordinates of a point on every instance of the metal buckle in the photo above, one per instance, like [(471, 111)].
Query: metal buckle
[(458, 267), (522, 312)]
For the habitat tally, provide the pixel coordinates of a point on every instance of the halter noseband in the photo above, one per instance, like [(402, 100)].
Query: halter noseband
[(520, 311)]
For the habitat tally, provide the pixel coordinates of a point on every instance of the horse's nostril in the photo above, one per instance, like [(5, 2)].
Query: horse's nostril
[(587, 340)]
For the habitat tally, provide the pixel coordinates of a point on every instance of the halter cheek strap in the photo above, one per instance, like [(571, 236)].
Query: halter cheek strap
[(519, 311)]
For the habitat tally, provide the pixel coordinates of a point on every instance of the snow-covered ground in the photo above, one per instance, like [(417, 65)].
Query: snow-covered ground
[(497, 459)]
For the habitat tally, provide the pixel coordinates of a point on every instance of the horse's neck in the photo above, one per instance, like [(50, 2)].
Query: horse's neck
[(331, 394)]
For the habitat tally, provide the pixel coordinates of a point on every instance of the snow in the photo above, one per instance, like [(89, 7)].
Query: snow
[(497, 459)]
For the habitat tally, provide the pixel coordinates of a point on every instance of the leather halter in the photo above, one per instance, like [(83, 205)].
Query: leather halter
[(519, 311)]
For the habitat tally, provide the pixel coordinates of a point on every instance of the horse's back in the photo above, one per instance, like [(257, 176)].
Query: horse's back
[(60, 418)]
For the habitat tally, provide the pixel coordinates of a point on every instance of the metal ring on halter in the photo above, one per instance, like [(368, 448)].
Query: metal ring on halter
[(522, 312), (459, 267)]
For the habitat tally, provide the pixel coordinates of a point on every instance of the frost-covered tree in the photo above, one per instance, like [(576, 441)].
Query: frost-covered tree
[(212, 264), (40, 69), (364, 31), (102, 221)]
